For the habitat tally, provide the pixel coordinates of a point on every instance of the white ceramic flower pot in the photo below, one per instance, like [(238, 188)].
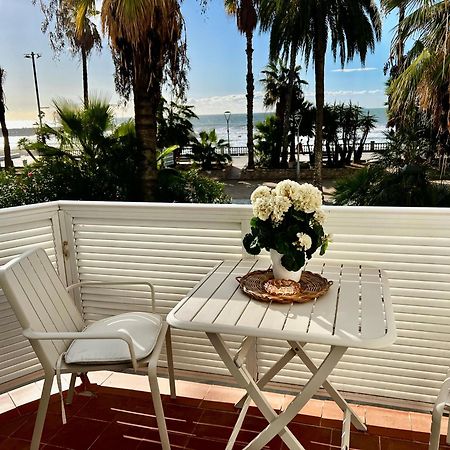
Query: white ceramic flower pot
[(279, 272)]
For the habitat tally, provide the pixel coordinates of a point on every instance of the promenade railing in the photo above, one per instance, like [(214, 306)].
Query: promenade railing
[(305, 149)]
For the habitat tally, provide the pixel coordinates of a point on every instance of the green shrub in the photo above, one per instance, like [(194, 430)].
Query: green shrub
[(267, 142), (400, 175), (208, 151), (189, 187), (61, 179), (95, 160), (376, 186)]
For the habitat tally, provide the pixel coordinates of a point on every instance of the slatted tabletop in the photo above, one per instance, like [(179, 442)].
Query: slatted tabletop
[(355, 312)]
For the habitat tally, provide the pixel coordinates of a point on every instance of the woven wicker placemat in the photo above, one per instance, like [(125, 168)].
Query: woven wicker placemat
[(311, 286)]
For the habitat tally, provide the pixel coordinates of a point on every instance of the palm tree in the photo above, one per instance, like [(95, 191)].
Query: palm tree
[(276, 82), (148, 47), (423, 80), (83, 37), (175, 124), (284, 41), (351, 27), (366, 123), (6, 147), (246, 18), (72, 27)]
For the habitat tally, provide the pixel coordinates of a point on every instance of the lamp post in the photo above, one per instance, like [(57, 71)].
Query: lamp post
[(33, 56), (227, 115), (299, 121)]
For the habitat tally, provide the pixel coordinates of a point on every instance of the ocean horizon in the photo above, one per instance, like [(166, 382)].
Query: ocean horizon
[(238, 127)]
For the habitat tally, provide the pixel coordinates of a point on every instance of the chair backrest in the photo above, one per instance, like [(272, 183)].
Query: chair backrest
[(40, 301)]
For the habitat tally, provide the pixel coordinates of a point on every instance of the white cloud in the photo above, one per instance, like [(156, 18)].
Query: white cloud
[(356, 69), (237, 103), (347, 93)]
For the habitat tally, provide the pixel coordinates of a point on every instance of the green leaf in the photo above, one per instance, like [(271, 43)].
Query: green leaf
[(294, 261), (251, 244), (324, 247), (254, 222)]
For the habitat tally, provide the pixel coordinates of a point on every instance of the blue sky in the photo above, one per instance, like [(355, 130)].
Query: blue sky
[(217, 59)]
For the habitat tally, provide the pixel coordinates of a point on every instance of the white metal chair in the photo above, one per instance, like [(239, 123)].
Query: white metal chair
[(441, 404), (64, 344)]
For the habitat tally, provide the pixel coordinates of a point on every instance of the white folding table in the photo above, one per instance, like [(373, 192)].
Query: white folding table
[(355, 312)]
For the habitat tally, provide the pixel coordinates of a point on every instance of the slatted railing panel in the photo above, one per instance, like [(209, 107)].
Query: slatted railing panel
[(174, 247), (413, 247), (22, 229)]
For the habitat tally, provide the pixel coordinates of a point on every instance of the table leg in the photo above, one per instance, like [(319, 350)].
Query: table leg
[(270, 373), (244, 379), (311, 387), (345, 437), (237, 427), (334, 394)]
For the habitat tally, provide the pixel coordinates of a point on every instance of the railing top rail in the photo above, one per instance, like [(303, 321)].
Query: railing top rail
[(246, 207), (62, 204)]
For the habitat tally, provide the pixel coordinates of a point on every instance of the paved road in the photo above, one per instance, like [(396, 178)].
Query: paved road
[(240, 191)]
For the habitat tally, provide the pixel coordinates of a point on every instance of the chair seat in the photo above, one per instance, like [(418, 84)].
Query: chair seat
[(143, 329)]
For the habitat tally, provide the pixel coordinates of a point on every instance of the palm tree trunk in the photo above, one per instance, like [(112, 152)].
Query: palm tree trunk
[(250, 97), (147, 97), (6, 148), (85, 76), (288, 103), (276, 152), (444, 124), (319, 72)]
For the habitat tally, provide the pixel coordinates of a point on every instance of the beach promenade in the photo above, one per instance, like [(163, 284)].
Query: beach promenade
[(240, 190)]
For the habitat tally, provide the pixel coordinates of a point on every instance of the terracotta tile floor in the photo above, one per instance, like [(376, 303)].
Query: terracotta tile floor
[(119, 416)]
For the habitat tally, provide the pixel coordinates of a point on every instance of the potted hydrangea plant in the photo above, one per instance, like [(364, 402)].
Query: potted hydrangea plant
[(288, 221)]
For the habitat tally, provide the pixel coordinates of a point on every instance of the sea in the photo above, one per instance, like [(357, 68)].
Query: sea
[(237, 128)]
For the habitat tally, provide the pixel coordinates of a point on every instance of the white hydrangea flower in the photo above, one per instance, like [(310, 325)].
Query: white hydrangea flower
[(287, 188), (260, 192), (281, 205), (319, 217), (308, 198), (263, 207), (304, 241)]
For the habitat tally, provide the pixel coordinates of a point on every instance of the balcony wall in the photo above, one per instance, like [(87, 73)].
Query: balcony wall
[(176, 245)]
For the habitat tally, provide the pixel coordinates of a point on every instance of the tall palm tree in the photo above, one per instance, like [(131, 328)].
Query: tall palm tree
[(247, 19), (277, 92), (6, 146), (72, 27), (284, 42), (148, 47), (350, 26), (83, 37), (423, 80), (147, 42)]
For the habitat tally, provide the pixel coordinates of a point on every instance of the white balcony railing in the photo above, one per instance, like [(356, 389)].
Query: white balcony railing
[(176, 245)]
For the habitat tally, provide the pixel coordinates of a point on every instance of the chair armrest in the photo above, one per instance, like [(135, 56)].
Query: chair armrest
[(116, 283), (55, 335), (443, 397)]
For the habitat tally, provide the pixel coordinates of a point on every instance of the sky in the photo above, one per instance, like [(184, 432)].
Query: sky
[(217, 57)]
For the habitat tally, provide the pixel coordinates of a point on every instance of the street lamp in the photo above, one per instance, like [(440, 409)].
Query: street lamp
[(227, 115), (34, 56)]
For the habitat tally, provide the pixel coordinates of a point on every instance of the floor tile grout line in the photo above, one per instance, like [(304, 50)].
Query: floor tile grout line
[(204, 394)]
